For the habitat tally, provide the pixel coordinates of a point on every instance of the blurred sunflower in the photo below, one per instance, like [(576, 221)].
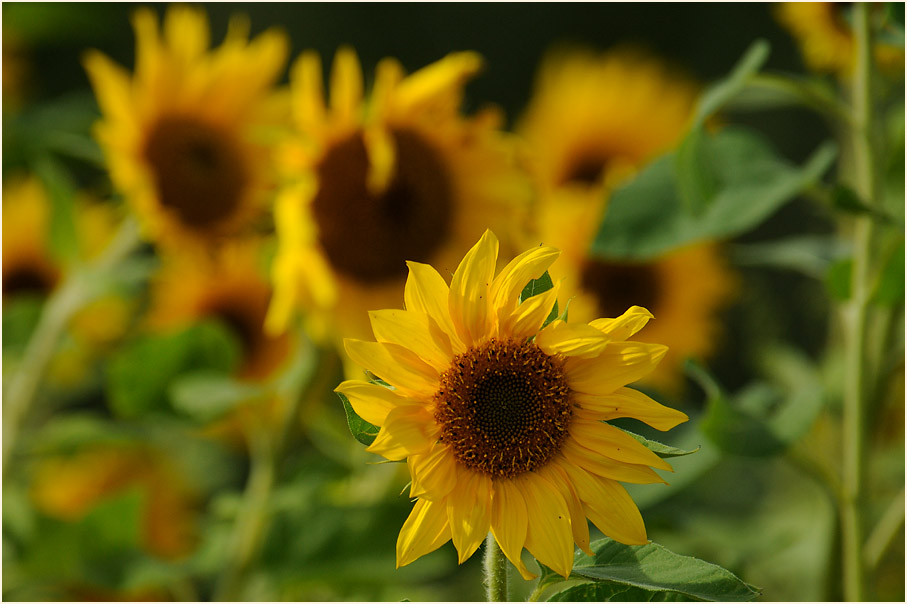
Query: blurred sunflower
[(592, 122), (826, 37), (186, 137), (29, 268), (502, 421), (69, 486), (230, 287), (374, 182)]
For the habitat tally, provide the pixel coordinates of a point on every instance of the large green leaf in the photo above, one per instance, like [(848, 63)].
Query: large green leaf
[(657, 570), (139, 376), (647, 217), (606, 591), (209, 395)]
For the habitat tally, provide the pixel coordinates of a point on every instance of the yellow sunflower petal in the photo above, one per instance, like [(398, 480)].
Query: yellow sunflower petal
[(507, 286), (405, 431), (426, 291), (601, 465), (468, 509), (608, 506), (572, 340), (111, 83), (424, 531), (529, 316), (308, 91), (615, 443), (469, 300), (578, 524), (509, 523), (186, 32), (382, 156), (621, 363), (346, 85), (415, 331), (624, 326), (440, 79), (550, 537), (434, 474), (626, 402), (396, 365), (372, 402)]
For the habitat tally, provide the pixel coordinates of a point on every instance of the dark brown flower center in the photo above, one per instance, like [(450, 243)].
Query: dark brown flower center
[(618, 286), (199, 171), (28, 279), (504, 407), (370, 237)]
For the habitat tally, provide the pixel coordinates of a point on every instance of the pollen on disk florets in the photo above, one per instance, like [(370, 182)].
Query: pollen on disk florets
[(504, 407)]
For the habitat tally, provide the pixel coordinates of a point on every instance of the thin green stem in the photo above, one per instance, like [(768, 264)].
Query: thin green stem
[(266, 447), (495, 571), (76, 290), (856, 316), (884, 532), (815, 98)]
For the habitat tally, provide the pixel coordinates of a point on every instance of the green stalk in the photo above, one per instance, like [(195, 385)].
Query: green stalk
[(495, 571), (72, 295), (856, 319)]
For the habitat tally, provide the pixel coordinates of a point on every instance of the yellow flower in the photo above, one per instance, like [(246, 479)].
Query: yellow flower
[(374, 182), (28, 267), (501, 421), (826, 38), (229, 286), (592, 122), (186, 137), (685, 288), (69, 486)]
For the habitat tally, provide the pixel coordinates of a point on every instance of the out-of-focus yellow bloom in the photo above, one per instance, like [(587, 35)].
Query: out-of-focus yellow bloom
[(593, 121), (826, 38), (28, 267), (229, 286), (69, 486), (373, 182), (187, 135), (502, 421)]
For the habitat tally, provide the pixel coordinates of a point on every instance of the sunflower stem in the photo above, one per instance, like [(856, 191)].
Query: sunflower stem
[(73, 294), (495, 571), (856, 318)]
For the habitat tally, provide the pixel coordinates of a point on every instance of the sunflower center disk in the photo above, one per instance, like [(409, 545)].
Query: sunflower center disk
[(504, 407), (199, 171), (370, 237), (619, 286)]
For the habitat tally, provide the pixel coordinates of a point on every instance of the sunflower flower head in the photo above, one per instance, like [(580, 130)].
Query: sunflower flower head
[(826, 38), (186, 136), (501, 418), (374, 180)]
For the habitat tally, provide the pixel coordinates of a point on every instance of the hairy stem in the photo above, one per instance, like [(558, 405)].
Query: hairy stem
[(495, 571)]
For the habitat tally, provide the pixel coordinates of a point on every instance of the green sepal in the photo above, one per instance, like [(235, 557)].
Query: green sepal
[(536, 287), (661, 449), (361, 430)]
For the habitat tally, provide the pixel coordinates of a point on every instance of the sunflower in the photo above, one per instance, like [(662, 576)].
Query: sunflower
[(373, 183), (826, 38), (230, 287), (502, 420), (69, 486), (592, 122), (28, 267), (187, 136)]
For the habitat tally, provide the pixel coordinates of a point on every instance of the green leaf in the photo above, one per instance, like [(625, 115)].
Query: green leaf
[(811, 255), (660, 449), (722, 91), (654, 568), (890, 287), (604, 591), (207, 395), (536, 287), (361, 430), (140, 374), (63, 237), (646, 218), (20, 317)]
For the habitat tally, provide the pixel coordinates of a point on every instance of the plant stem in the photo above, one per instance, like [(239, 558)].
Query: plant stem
[(266, 447), (495, 571), (72, 295), (856, 317), (883, 534)]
